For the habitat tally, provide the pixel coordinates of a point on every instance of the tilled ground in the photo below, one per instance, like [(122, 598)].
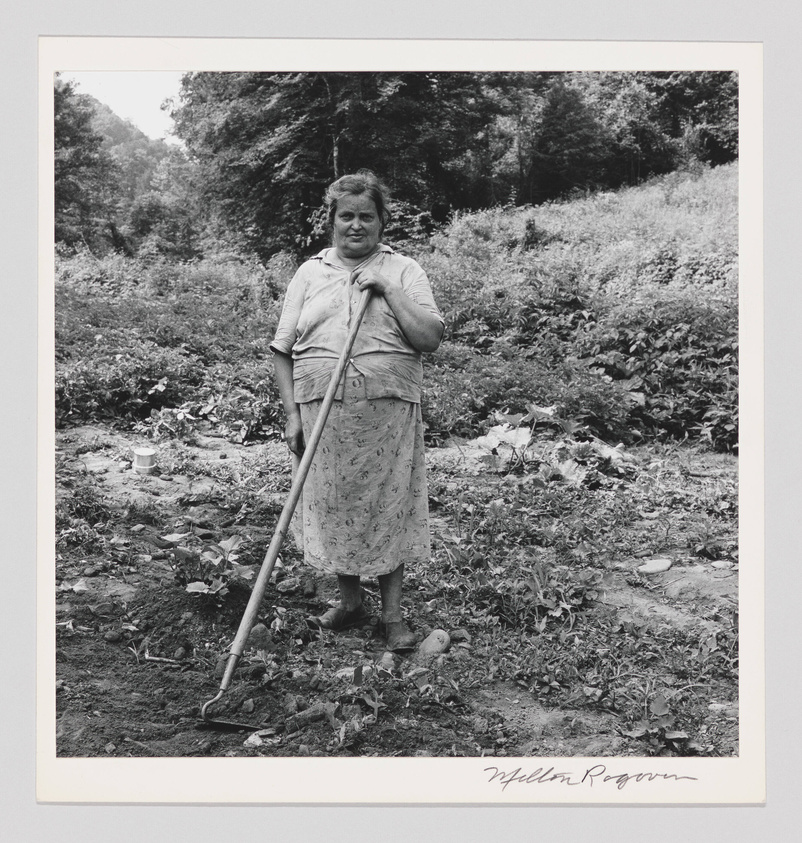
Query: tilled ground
[(137, 655)]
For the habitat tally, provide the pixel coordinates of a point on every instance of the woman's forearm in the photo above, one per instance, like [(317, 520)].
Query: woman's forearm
[(282, 364), (293, 429), (421, 327)]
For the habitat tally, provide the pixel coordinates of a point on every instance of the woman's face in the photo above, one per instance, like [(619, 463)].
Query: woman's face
[(357, 226)]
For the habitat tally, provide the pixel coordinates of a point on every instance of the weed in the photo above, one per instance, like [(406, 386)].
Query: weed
[(706, 540), (143, 512), (84, 501), (170, 424), (208, 569), (82, 514)]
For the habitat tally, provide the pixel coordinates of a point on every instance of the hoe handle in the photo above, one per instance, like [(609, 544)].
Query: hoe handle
[(283, 525)]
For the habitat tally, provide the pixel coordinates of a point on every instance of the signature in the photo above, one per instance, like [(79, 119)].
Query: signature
[(597, 774)]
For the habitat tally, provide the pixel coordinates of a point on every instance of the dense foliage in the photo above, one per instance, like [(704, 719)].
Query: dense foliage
[(620, 309), (115, 188), (261, 148), (268, 144), (617, 313), (82, 169)]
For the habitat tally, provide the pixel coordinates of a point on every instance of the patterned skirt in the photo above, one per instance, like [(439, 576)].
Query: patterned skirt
[(364, 506)]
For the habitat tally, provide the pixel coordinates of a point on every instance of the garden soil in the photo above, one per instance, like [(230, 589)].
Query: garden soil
[(137, 655)]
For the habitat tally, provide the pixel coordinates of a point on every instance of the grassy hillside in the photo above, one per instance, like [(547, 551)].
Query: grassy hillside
[(620, 309)]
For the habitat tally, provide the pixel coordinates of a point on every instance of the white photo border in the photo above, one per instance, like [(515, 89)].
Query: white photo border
[(383, 781)]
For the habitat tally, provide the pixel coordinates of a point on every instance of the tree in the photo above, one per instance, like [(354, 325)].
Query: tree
[(83, 172), (167, 217), (117, 188), (521, 97), (571, 145), (700, 108), (269, 144), (135, 155), (630, 110)]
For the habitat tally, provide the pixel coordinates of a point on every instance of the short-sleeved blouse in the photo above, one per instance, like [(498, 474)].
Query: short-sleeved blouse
[(319, 305)]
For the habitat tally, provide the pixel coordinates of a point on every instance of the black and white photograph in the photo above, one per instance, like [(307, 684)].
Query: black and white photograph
[(396, 416)]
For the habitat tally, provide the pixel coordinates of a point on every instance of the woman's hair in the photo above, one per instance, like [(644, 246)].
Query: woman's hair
[(355, 184)]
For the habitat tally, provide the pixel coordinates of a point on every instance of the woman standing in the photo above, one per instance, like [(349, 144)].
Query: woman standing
[(364, 507)]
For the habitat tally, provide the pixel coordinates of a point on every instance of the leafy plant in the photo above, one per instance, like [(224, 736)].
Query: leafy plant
[(125, 383), (192, 334), (82, 512), (171, 424), (678, 351), (208, 569), (658, 730)]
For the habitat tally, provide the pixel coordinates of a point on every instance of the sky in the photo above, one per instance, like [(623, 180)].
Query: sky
[(134, 95)]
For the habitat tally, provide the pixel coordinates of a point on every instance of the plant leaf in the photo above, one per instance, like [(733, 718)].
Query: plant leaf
[(572, 472), (514, 420), (174, 538), (659, 706), (634, 733), (502, 434), (231, 543)]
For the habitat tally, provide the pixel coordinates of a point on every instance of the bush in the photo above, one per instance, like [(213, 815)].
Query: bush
[(678, 349), (139, 337), (464, 388), (620, 308)]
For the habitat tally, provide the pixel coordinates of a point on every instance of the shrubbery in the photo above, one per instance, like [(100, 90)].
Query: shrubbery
[(678, 349), (134, 337), (464, 388), (617, 310)]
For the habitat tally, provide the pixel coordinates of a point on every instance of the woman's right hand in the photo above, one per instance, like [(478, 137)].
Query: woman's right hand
[(294, 434)]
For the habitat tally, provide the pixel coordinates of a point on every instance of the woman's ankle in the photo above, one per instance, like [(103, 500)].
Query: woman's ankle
[(350, 592), (392, 617)]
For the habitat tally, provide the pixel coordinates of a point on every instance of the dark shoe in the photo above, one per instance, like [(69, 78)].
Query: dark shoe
[(398, 636), (337, 619)]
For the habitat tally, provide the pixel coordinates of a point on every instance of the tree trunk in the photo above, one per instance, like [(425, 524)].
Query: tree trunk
[(335, 155)]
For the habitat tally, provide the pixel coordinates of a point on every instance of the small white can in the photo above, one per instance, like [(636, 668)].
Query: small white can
[(144, 460)]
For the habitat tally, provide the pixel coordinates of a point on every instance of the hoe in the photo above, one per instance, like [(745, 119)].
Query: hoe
[(251, 610)]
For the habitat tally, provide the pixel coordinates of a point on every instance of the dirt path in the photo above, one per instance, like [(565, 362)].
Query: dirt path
[(137, 654)]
